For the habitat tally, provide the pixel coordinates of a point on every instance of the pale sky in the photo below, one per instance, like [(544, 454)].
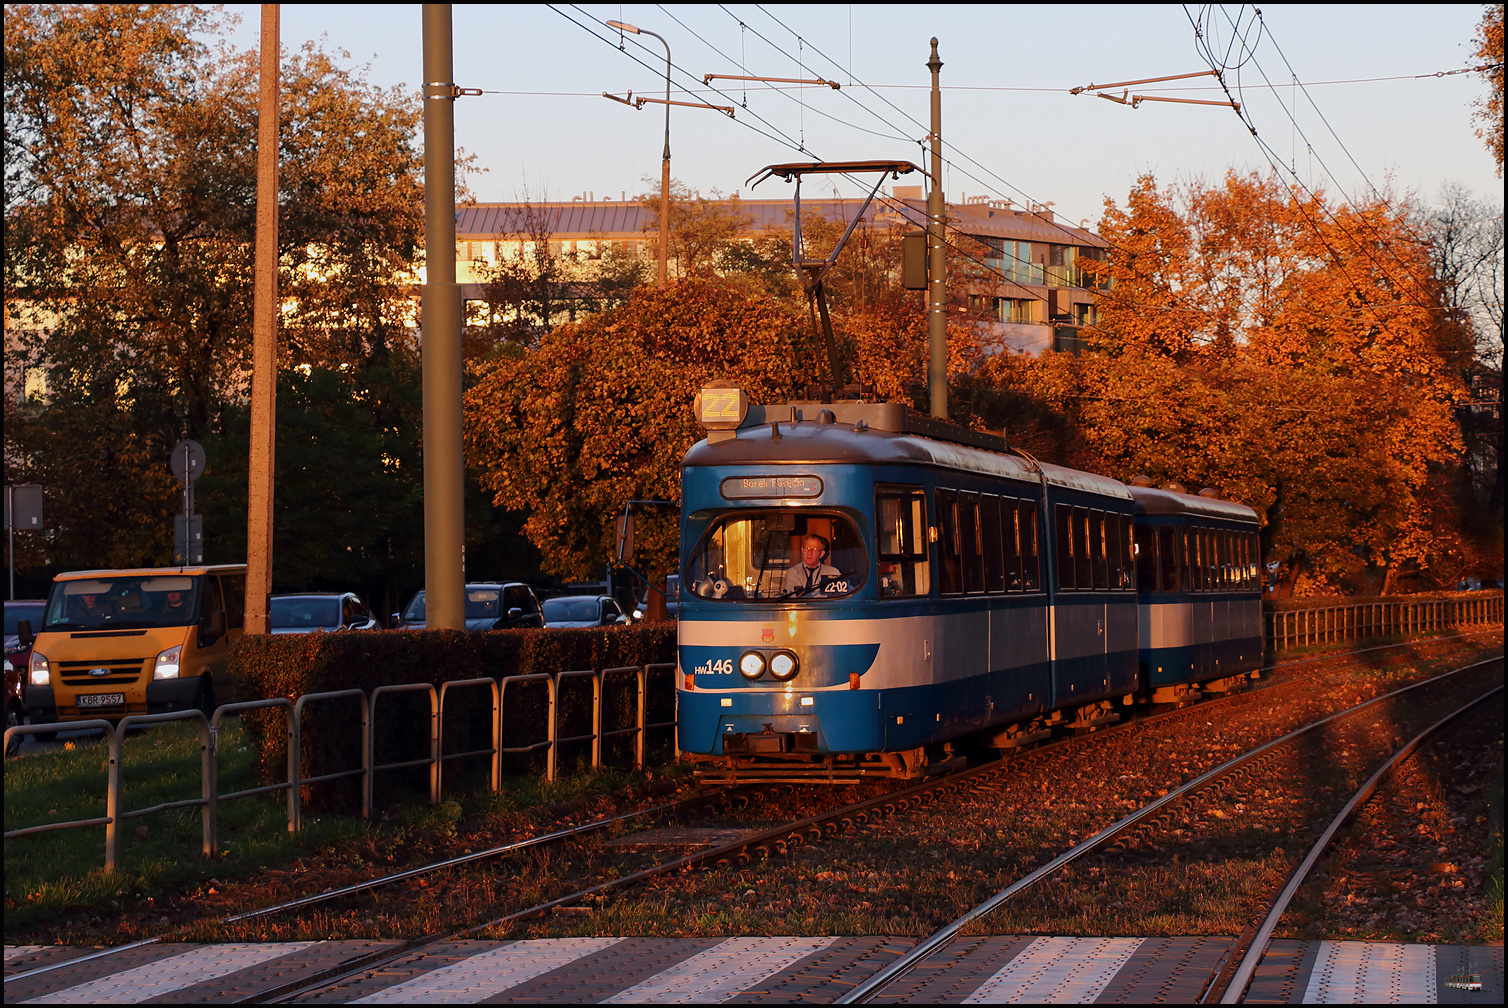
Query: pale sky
[(1010, 127)]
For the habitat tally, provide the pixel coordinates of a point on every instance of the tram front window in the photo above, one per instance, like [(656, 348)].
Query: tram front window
[(778, 555)]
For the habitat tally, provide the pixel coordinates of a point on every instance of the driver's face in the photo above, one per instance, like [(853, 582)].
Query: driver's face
[(810, 554)]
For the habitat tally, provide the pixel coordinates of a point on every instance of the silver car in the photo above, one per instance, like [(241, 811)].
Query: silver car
[(582, 611), (328, 611)]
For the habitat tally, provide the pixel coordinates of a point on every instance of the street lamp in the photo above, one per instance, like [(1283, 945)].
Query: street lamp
[(665, 159)]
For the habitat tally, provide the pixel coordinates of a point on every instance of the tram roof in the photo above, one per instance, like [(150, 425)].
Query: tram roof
[(1155, 501), (818, 443)]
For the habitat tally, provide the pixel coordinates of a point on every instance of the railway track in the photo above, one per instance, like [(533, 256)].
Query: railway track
[(1231, 988), (772, 842), (1223, 775), (780, 840)]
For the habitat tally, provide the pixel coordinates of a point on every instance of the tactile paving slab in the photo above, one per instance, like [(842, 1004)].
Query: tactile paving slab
[(1357, 972), (755, 970)]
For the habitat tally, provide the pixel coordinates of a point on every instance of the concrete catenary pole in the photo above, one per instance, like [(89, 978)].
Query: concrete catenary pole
[(444, 520), (264, 372), (937, 308)]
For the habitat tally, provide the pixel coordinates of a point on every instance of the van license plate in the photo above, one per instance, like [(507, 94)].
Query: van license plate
[(102, 700)]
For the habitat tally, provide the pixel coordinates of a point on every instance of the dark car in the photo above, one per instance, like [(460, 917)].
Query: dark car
[(18, 655), (582, 611), (497, 605), (328, 611)]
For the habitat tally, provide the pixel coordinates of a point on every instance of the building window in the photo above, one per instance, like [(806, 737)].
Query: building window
[(1014, 310)]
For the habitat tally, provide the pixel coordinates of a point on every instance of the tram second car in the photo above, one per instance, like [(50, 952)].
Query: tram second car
[(864, 589)]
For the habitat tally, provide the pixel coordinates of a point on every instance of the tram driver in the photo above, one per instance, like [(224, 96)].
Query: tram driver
[(810, 572)]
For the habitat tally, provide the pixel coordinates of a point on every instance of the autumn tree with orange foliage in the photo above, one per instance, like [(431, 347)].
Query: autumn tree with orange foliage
[(1489, 48), (1291, 353), (600, 412)]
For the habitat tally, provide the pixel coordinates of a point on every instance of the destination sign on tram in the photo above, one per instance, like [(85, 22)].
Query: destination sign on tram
[(766, 487)]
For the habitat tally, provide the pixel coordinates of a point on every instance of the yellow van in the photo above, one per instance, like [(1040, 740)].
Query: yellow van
[(118, 642)]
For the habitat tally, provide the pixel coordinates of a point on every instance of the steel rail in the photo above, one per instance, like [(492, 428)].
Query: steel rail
[(585, 829), (776, 838), (863, 992), (1235, 988), (1060, 747)]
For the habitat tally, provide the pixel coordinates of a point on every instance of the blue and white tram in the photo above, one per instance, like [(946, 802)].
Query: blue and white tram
[(863, 588), (1199, 586)]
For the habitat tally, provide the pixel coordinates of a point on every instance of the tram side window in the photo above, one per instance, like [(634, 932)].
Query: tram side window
[(949, 553), (1083, 563), (990, 535), (1167, 561), (1212, 559), (1031, 555), (1146, 558), (1011, 532), (1206, 561), (1097, 552), (1064, 547), (901, 538), (1192, 569), (1181, 552), (1123, 553), (970, 542)]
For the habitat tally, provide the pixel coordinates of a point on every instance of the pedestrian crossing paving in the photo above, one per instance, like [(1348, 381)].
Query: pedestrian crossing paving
[(751, 970)]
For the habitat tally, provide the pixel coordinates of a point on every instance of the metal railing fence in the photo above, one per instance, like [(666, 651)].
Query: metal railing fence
[(1380, 618), (211, 797)]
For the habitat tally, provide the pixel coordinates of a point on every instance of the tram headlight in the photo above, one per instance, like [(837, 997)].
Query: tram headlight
[(784, 666), (751, 664)]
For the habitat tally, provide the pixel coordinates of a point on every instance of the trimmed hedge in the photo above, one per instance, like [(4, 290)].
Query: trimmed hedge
[(292, 665)]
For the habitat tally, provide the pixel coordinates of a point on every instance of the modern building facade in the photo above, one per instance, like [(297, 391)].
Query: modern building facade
[(1030, 278)]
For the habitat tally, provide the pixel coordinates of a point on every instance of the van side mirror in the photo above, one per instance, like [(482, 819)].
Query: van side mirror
[(515, 612), (24, 632), (397, 618)]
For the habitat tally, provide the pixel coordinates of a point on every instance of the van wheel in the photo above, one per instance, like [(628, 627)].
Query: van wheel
[(46, 736), (205, 700)]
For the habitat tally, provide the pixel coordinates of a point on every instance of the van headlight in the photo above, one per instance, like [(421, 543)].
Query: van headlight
[(166, 666), (38, 672)]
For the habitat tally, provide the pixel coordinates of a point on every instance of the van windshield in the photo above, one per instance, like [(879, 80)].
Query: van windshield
[(779, 555), (152, 600)]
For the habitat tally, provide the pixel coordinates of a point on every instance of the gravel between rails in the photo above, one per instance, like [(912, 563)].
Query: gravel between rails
[(904, 875), (1422, 861), (908, 875)]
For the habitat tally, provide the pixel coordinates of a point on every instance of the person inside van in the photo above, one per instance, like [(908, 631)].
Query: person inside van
[(89, 609), (175, 608)]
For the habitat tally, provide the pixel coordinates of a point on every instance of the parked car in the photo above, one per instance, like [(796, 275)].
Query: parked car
[(17, 655), (328, 611), (582, 611), (498, 605), (672, 598), (17, 610)]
